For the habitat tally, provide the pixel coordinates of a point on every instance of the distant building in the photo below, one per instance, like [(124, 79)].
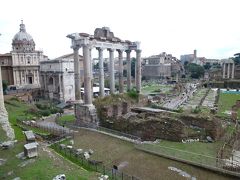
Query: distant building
[(21, 66), (57, 77), (192, 58), (161, 66)]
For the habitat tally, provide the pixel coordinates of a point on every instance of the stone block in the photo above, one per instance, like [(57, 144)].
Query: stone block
[(7, 144), (30, 137), (30, 150)]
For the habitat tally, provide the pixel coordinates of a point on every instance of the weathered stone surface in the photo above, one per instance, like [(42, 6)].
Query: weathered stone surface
[(30, 137), (60, 177), (7, 144), (90, 151), (151, 125), (86, 155), (4, 115), (2, 161), (24, 163), (30, 150), (20, 155), (17, 178)]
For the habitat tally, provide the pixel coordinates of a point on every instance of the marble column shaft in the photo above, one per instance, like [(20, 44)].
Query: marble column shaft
[(87, 76), (101, 72), (60, 87), (112, 77), (228, 71), (224, 70), (138, 71), (233, 70), (120, 57), (77, 76), (128, 70), (2, 107)]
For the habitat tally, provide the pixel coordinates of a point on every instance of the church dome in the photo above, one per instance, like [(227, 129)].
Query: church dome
[(23, 41)]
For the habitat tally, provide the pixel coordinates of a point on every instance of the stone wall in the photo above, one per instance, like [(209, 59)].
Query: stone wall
[(212, 126), (161, 125)]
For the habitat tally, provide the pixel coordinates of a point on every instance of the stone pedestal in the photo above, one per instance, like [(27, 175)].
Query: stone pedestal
[(86, 115)]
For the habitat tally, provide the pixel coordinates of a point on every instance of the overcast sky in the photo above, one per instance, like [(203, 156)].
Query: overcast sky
[(173, 26)]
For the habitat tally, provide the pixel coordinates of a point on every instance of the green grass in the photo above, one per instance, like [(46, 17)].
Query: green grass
[(16, 109), (152, 88), (226, 101), (66, 118), (46, 166), (35, 130), (113, 151), (197, 151)]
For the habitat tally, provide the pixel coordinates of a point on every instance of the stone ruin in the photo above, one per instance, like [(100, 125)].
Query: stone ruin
[(103, 33), (103, 39), (159, 124), (4, 123)]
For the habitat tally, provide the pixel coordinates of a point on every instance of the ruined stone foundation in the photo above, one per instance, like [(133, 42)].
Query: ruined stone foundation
[(86, 115)]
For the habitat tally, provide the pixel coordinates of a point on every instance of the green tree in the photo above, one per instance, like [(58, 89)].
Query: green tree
[(196, 71), (207, 66), (236, 58), (4, 85)]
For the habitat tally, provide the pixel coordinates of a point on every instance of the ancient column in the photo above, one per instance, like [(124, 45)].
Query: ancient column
[(228, 72), (120, 57), (138, 70), (77, 76), (14, 77), (233, 70), (2, 107), (60, 87), (101, 72), (224, 70), (112, 78), (45, 82), (128, 70), (87, 75)]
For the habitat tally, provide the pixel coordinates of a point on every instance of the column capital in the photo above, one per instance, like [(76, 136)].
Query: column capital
[(119, 50), (111, 50), (128, 51), (138, 50), (75, 47), (99, 48)]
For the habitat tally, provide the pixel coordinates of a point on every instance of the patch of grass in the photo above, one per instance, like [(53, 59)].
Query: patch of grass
[(113, 151), (46, 166), (225, 103), (197, 151), (35, 130), (153, 88), (16, 109), (66, 118)]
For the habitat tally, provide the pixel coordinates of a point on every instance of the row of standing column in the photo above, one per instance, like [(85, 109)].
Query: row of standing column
[(228, 70), (88, 72), (112, 77)]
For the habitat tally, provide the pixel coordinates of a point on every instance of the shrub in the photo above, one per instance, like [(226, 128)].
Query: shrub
[(196, 110), (14, 98), (133, 94), (45, 112)]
